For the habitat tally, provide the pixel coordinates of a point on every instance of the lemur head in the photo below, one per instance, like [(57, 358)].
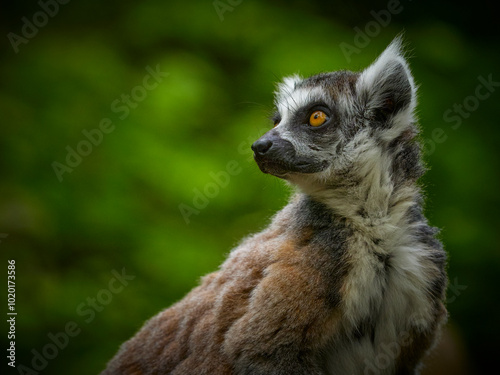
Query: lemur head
[(336, 128)]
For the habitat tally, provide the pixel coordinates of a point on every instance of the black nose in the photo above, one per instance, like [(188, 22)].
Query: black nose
[(261, 146)]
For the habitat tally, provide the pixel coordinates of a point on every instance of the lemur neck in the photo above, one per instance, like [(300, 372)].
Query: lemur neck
[(376, 190), (370, 205)]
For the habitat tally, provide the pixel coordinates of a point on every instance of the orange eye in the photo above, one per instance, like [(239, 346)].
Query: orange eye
[(318, 118), (276, 123)]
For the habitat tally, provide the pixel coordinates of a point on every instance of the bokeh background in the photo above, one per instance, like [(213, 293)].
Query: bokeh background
[(119, 207)]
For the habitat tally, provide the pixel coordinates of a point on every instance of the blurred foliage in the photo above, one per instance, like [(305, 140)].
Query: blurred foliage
[(119, 208)]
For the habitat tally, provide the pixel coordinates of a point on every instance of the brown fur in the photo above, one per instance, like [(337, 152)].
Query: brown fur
[(247, 307)]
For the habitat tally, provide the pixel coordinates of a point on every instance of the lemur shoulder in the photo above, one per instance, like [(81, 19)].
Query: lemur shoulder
[(349, 268)]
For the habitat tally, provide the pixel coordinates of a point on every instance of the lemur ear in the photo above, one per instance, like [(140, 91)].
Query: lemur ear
[(386, 87)]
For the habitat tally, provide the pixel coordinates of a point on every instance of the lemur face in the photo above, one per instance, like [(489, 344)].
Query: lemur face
[(331, 128), (314, 119)]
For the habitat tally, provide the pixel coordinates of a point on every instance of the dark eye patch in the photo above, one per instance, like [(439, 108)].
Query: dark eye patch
[(275, 118), (302, 115)]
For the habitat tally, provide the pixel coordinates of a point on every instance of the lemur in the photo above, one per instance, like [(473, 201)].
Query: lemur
[(348, 278)]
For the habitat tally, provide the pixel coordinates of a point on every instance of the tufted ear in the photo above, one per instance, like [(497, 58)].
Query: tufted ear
[(386, 87)]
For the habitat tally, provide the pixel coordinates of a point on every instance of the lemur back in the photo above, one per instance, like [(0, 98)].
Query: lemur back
[(348, 278)]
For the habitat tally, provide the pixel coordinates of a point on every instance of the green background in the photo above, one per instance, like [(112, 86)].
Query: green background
[(119, 207)]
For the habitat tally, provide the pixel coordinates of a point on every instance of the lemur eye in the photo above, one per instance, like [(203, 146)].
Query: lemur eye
[(276, 122), (318, 118)]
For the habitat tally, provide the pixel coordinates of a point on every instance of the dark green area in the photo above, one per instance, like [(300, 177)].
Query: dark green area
[(119, 207)]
